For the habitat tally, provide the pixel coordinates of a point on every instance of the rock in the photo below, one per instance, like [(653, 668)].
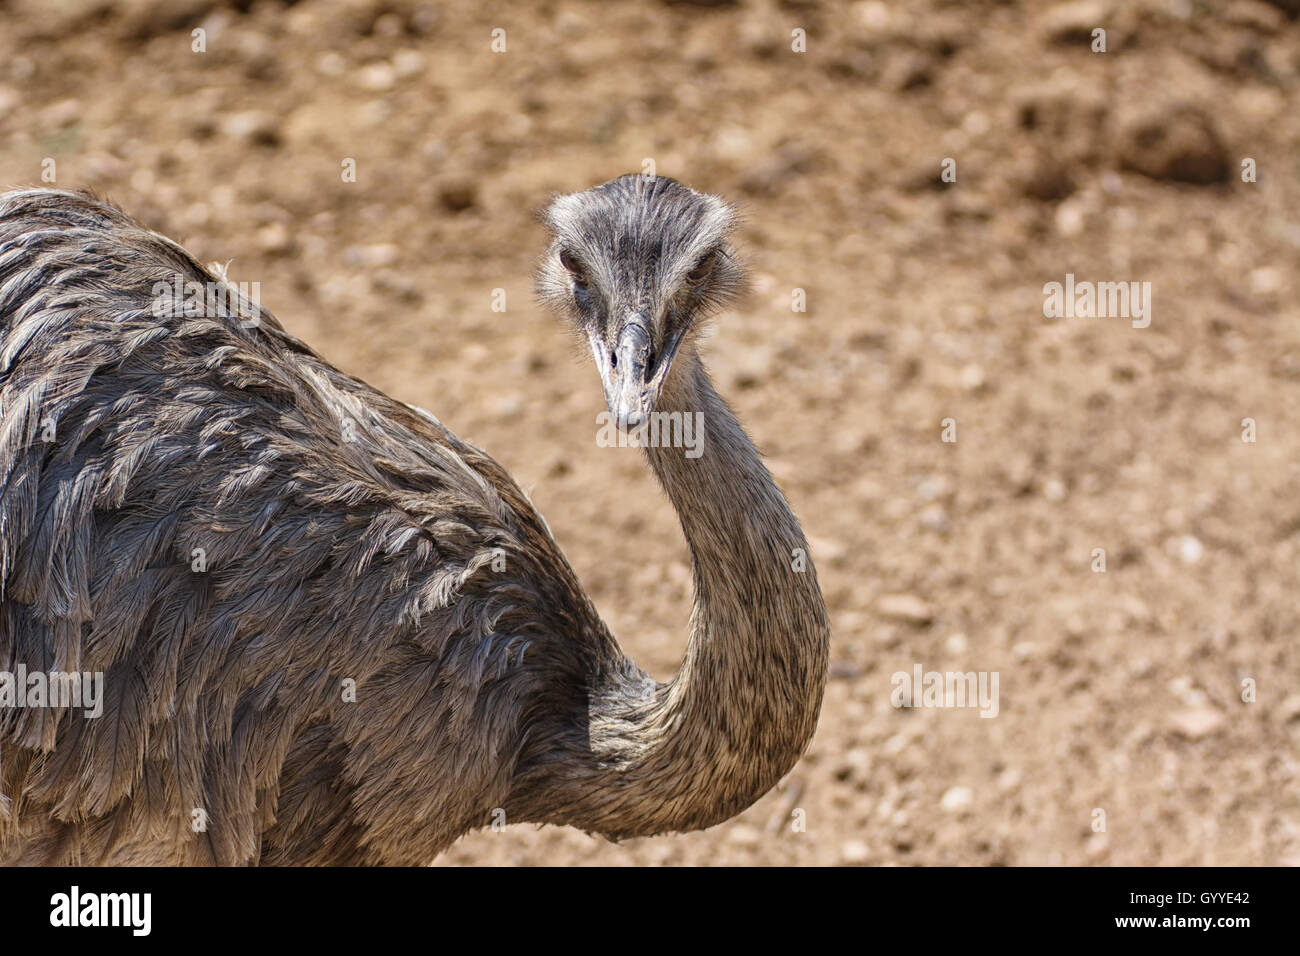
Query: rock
[(896, 744), (911, 70), (827, 549), (763, 38), (887, 637), (388, 25), (854, 852), (751, 365), (1048, 181), (845, 670), (850, 624), (1190, 549), (976, 123), (377, 77), (733, 144), (1290, 709), (458, 195), (372, 257), (331, 63), (934, 487), (872, 14), (1074, 22), (256, 127), (935, 518), (1097, 844), (957, 799), (1266, 280), (1071, 219), (62, 113), (906, 608), (742, 834), (408, 63), (1174, 145), (258, 55), (274, 237), (1067, 121), (1196, 723), (972, 377), (856, 766)]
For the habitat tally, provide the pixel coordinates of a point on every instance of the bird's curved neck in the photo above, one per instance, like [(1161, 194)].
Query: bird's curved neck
[(695, 751)]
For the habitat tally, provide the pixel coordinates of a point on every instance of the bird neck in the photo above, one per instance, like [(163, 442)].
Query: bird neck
[(738, 715)]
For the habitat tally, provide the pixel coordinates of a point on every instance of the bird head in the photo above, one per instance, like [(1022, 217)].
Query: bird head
[(637, 265)]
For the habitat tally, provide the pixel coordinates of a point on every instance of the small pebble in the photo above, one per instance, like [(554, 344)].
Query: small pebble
[(957, 799), (854, 851), (906, 608), (1195, 724)]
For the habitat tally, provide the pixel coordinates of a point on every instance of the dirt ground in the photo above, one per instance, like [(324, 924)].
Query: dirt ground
[(1120, 691)]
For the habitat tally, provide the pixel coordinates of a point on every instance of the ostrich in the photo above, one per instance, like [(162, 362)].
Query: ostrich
[(382, 647)]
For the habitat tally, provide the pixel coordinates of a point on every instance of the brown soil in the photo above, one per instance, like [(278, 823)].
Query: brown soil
[(1120, 691)]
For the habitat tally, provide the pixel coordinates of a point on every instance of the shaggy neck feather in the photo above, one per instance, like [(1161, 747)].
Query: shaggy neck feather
[(697, 750)]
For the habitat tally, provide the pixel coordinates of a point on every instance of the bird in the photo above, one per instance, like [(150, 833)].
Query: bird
[(328, 630)]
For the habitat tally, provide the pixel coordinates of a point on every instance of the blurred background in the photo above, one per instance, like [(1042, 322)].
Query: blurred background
[(1120, 691)]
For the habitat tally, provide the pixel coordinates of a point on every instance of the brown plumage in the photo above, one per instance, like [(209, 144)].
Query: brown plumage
[(229, 529)]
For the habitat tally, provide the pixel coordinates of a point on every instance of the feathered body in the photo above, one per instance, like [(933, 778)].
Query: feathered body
[(235, 534)]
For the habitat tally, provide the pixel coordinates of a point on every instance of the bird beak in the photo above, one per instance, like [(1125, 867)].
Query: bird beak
[(632, 375)]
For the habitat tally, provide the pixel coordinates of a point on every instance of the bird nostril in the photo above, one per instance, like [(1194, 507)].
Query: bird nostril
[(613, 360)]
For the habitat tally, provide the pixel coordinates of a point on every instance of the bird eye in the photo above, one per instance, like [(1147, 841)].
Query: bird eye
[(702, 269), (574, 268)]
